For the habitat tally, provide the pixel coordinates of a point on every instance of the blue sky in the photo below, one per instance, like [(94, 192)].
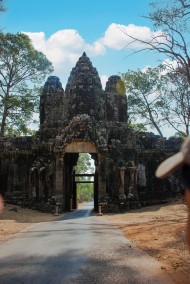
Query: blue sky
[(64, 29)]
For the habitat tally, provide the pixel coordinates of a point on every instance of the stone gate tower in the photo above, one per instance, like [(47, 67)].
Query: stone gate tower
[(84, 118)]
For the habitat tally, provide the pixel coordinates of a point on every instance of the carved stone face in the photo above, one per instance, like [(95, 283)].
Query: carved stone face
[(131, 164), (84, 89), (122, 197)]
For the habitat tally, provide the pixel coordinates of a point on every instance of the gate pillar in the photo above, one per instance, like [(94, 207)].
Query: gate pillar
[(101, 176), (59, 179)]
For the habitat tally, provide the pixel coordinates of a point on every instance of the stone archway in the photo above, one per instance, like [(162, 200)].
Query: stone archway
[(70, 158), (81, 147)]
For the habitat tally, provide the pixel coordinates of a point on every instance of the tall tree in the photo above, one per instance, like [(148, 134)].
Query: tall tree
[(173, 17), (22, 68), (176, 102), (143, 97)]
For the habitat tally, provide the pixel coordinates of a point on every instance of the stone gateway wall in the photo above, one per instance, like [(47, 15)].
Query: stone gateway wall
[(38, 171)]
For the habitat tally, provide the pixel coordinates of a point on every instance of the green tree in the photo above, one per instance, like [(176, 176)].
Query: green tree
[(22, 68), (143, 97), (84, 164), (173, 18), (138, 127), (176, 102), (85, 191)]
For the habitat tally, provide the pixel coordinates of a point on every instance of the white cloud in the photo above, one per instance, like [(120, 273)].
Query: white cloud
[(167, 63), (104, 79), (144, 69), (38, 40), (97, 48), (170, 65), (115, 36), (63, 48)]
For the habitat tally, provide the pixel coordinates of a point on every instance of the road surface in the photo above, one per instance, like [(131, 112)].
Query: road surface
[(79, 247)]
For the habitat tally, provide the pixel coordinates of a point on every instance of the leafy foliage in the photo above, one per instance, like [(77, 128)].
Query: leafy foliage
[(144, 98), (84, 164), (137, 126), (22, 68), (176, 102), (158, 98), (85, 191)]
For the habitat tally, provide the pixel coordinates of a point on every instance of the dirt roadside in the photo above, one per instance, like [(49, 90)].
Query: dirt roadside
[(159, 230), (14, 218)]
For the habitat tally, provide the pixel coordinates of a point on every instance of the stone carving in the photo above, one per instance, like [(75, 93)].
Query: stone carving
[(132, 180), (141, 175), (41, 174), (122, 196)]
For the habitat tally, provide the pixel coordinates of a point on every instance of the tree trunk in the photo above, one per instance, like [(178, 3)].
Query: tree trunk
[(187, 129), (157, 128), (152, 120), (3, 123)]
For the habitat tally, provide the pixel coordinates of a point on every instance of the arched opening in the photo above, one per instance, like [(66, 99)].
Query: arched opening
[(83, 177), (80, 174)]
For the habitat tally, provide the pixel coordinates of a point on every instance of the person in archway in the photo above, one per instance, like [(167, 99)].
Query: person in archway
[(181, 160)]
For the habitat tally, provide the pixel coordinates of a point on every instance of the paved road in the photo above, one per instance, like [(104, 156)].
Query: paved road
[(77, 248)]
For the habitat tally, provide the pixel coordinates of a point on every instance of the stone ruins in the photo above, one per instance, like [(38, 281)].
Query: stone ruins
[(38, 171)]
